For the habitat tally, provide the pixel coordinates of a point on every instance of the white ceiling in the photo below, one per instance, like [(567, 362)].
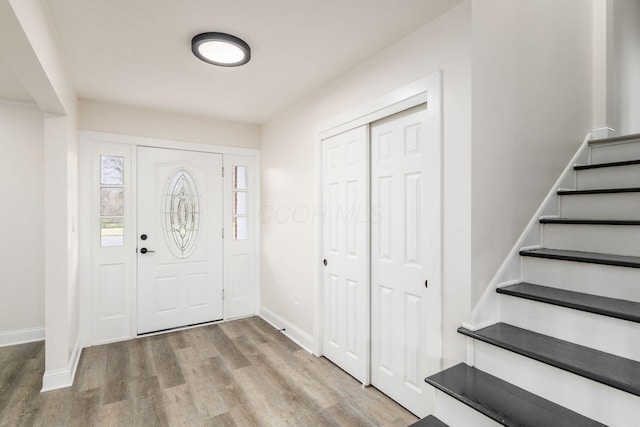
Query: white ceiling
[(137, 52)]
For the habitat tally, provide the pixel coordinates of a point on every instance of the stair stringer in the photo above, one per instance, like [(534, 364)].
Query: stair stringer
[(488, 309)]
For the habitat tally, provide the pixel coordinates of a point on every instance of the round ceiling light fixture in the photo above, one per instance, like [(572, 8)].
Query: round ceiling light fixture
[(221, 49)]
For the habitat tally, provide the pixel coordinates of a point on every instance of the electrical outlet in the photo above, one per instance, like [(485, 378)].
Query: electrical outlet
[(296, 309)]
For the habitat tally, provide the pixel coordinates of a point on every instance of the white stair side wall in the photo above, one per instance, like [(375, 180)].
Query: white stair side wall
[(455, 413), (615, 151), (597, 401), (600, 206), (608, 239), (487, 309), (607, 334), (609, 177), (604, 280)]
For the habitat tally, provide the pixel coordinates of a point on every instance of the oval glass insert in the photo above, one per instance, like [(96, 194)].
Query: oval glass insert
[(182, 214)]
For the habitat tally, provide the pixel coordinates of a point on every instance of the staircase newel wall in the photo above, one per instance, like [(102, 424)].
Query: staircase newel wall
[(487, 310)]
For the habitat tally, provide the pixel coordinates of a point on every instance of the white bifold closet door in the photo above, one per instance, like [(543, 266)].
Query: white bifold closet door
[(399, 259), (346, 251)]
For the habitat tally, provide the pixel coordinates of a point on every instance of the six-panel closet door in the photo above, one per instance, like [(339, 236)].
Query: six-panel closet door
[(376, 253), (399, 259), (345, 240)]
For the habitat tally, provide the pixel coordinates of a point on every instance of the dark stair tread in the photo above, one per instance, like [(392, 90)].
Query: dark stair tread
[(588, 257), (429, 421), (621, 138), (606, 165), (598, 191), (605, 368), (612, 307), (503, 402), (557, 220)]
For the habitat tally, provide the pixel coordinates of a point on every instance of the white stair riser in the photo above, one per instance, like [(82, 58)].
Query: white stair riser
[(614, 336), (455, 413), (609, 239), (600, 206), (615, 152), (611, 177), (589, 398), (603, 280)]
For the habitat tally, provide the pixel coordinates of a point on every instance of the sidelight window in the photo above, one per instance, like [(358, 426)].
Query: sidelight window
[(111, 201), (240, 204)]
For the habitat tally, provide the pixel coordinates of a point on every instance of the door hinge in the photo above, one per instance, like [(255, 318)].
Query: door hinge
[(223, 233), (223, 294), (223, 171)]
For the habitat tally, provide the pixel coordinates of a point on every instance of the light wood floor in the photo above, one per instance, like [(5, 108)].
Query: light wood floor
[(239, 373)]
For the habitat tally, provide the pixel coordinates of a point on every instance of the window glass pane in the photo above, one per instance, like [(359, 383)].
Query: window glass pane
[(111, 201), (239, 203), (111, 232), (112, 170), (240, 228), (240, 177)]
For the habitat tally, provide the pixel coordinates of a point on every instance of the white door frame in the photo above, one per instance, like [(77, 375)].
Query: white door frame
[(425, 90), (86, 138)]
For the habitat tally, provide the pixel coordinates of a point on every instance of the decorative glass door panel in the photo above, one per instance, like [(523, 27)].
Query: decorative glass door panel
[(179, 242)]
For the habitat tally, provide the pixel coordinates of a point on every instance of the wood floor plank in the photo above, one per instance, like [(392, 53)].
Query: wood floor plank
[(209, 402), (167, 365), (222, 379), (249, 378), (85, 407), (202, 342), (141, 359), (117, 414), (22, 403), (241, 373), (251, 332), (347, 415), (268, 330), (92, 368), (223, 420), (227, 348), (118, 373), (178, 403), (247, 416), (297, 373)]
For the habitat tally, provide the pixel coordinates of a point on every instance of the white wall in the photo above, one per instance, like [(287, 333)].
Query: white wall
[(532, 107), (287, 170), (22, 217), (126, 120), (625, 70), (28, 45)]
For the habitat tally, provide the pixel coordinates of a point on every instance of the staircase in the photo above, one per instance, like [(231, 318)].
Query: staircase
[(566, 348)]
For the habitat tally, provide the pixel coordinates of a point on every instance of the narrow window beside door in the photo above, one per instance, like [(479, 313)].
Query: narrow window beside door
[(111, 201), (240, 211)]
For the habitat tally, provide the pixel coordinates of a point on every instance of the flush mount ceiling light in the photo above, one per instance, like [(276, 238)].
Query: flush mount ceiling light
[(221, 49)]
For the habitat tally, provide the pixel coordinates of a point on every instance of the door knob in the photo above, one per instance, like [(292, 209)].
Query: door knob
[(145, 250), (143, 237)]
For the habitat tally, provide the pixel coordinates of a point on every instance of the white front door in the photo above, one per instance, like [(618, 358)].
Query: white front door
[(346, 251), (401, 198), (179, 238)]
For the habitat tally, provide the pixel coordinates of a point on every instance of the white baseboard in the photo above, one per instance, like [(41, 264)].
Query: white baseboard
[(292, 332), (61, 378), (21, 336)]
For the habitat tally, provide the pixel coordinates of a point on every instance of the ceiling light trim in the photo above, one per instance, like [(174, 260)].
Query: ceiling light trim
[(201, 40)]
